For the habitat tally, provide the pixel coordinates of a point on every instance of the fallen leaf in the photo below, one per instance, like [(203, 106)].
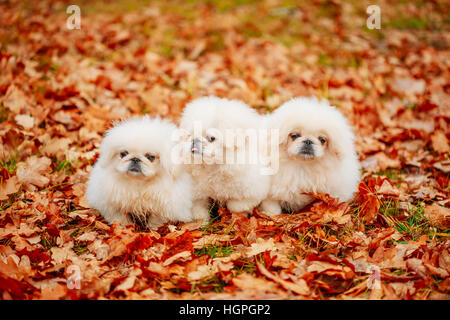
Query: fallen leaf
[(300, 287), (31, 173), (439, 142), (10, 186), (25, 120)]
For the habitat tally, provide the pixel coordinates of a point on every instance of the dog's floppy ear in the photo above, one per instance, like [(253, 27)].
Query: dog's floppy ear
[(102, 161), (340, 142), (106, 153), (107, 148), (334, 148), (283, 136), (340, 145)]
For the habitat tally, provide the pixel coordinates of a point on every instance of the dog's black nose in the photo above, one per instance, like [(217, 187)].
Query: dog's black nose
[(135, 160), (308, 142)]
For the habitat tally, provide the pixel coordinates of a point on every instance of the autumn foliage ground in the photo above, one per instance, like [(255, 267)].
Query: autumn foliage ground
[(61, 89)]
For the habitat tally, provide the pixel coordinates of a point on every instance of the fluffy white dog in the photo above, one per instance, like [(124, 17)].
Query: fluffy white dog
[(316, 155), (134, 180), (221, 139)]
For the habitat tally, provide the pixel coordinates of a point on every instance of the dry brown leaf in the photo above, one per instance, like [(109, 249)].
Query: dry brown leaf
[(31, 173), (24, 120), (55, 291), (437, 214), (439, 142), (10, 186), (259, 246), (387, 189), (246, 282), (300, 287)]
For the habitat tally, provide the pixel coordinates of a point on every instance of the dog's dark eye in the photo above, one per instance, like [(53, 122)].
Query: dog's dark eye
[(123, 154), (210, 138), (322, 140), (150, 157), (294, 136)]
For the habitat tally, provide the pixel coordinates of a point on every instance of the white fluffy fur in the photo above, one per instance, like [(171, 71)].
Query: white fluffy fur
[(161, 193), (240, 187), (334, 169)]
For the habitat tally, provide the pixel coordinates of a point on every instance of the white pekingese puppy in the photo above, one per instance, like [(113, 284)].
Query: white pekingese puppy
[(221, 143), (134, 179), (316, 155)]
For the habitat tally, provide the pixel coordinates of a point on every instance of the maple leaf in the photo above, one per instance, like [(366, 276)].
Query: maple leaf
[(31, 173), (300, 287), (15, 99), (10, 186), (16, 289), (368, 201), (259, 246), (439, 142), (330, 209), (437, 214)]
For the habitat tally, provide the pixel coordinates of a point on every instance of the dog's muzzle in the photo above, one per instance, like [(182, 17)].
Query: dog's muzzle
[(307, 149), (135, 166), (196, 146)]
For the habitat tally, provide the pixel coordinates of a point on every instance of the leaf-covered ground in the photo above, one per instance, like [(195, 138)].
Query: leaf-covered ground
[(61, 89)]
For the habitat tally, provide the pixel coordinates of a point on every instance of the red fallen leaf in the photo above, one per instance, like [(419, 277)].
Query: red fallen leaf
[(330, 209), (18, 290), (349, 264), (4, 174), (444, 286), (395, 278), (241, 226), (426, 106), (353, 244), (36, 256), (443, 181), (79, 45), (314, 257), (380, 237), (116, 282), (52, 230), (52, 213), (331, 283), (184, 284), (140, 51), (62, 94), (181, 243), (368, 201), (103, 81), (4, 88), (141, 242), (268, 261), (325, 197)]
